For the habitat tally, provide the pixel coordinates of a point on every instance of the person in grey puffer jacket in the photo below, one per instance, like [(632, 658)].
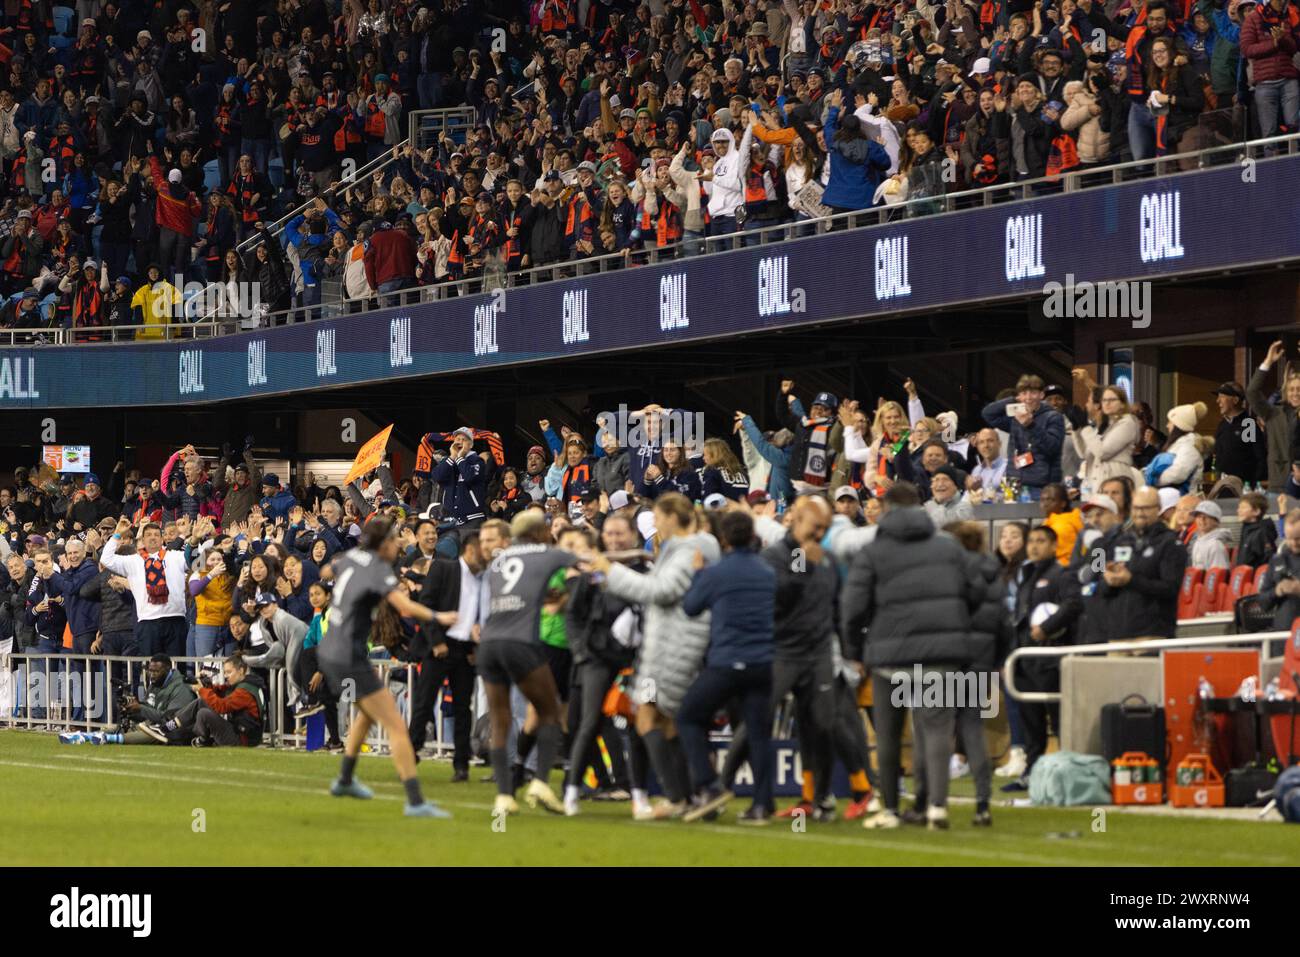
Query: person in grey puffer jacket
[(674, 643)]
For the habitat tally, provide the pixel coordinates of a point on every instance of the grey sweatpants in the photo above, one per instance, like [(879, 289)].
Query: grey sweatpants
[(971, 726), (932, 737)]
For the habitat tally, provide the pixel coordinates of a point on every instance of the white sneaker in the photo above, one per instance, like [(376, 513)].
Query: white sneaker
[(505, 804), (958, 767), (1014, 766), (642, 810), (882, 821), (539, 792), (570, 806), (874, 806), (936, 818), (665, 810)]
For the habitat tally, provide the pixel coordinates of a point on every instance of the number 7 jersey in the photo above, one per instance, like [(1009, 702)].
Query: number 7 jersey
[(517, 580)]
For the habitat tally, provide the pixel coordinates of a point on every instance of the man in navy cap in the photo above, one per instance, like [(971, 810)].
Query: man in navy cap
[(276, 501), (463, 477), (810, 455), (90, 506)]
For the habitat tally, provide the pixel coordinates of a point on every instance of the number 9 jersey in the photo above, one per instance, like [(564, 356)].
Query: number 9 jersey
[(517, 580)]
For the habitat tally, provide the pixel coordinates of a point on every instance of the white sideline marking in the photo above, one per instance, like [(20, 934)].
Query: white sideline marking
[(127, 762)]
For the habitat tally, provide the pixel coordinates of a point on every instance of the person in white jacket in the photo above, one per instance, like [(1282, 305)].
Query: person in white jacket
[(156, 577), (1106, 448), (674, 643), (1188, 463), (727, 180)]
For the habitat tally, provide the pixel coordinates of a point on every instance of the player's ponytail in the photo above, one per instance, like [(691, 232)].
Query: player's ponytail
[(375, 532)]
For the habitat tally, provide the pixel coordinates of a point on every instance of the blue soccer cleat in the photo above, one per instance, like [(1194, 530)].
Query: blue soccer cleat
[(72, 737), (354, 789), (427, 809)]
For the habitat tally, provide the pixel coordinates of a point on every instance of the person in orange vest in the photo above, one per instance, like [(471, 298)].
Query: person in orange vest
[(382, 112), (86, 297), (661, 215), (558, 16)]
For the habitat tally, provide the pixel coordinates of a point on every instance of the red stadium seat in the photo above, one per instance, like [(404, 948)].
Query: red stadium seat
[(1259, 576), (1188, 596), (1212, 590), (1243, 577)]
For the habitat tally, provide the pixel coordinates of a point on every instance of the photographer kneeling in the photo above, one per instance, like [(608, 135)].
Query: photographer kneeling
[(229, 715), (167, 696)]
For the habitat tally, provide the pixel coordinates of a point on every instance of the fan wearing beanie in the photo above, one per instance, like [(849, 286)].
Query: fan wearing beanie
[(1187, 465)]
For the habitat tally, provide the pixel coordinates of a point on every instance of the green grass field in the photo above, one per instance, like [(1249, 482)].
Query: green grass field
[(113, 805)]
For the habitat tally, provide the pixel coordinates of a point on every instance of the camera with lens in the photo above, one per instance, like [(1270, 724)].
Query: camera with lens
[(122, 693)]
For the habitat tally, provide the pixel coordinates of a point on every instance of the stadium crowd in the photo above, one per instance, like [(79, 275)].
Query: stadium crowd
[(823, 556), (142, 142)]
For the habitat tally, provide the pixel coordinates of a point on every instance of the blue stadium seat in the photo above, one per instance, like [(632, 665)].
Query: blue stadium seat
[(212, 175), (60, 42), (64, 21), (275, 172)]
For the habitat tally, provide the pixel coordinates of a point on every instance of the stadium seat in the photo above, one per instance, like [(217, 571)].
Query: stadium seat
[(60, 43), (1188, 596), (275, 172), (212, 176), (1243, 576), (1259, 576), (1212, 590), (64, 17)]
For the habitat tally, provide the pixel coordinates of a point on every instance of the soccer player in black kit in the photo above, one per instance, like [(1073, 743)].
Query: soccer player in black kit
[(510, 652), (363, 580)]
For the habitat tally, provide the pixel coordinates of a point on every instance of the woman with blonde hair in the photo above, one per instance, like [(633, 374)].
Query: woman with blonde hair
[(722, 472), (889, 433), (1105, 445)]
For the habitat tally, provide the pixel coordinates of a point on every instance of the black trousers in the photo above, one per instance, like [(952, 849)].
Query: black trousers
[(813, 683), (456, 668), (197, 719), (712, 689), (162, 636), (304, 668), (1034, 717)]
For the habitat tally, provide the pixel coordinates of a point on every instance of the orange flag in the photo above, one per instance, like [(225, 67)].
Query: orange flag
[(371, 454)]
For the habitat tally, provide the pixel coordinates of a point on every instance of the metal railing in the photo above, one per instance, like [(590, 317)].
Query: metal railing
[(66, 691), (1119, 648), (496, 278), (427, 127)]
